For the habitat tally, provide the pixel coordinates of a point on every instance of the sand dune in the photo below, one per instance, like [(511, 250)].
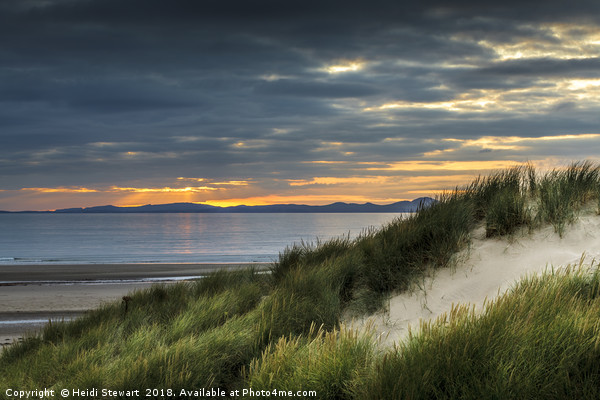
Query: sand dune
[(488, 267)]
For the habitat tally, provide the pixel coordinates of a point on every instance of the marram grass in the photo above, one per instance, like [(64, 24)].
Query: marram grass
[(243, 329), (538, 341), (333, 363), (561, 193)]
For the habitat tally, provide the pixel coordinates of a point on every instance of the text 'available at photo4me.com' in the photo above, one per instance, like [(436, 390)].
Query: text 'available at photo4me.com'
[(13, 393)]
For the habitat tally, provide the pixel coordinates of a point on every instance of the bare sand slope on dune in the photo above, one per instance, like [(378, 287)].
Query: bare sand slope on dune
[(486, 269)]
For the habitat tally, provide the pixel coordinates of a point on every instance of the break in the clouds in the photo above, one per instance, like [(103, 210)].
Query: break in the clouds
[(230, 102)]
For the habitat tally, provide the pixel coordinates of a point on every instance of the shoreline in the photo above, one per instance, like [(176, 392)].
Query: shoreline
[(31, 295), (111, 273), (14, 326)]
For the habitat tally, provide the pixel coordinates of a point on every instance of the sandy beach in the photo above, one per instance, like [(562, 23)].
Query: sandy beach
[(31, 295)]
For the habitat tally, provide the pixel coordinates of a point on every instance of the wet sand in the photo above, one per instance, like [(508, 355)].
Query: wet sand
[(31, 295), (15, 274)]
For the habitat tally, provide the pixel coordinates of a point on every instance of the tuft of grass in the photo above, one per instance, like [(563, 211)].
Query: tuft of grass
[(223, 280), (312, 295), (307, 254), (506, 212), (209, 312), (563, 192), (332, 363), (483, 190)]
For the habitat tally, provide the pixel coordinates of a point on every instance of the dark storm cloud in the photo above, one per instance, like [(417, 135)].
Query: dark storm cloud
[(108, 90), (114, 94)]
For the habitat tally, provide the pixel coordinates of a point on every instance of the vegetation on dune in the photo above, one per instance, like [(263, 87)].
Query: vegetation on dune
[(282, 330), (333, 363), (539, 341), (562, 192), (502, 200)]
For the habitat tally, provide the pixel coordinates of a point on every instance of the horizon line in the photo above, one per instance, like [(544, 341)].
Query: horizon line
[(215, 206)]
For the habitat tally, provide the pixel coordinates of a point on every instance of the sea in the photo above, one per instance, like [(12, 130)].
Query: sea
[(171, 238)]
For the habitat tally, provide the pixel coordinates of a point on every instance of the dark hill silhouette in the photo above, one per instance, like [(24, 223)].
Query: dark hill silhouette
[(339, 207)]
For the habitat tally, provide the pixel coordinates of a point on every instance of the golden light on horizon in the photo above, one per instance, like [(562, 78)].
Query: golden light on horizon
[(167, 189), (324, 180), (369, 181), (324, 162), (434, 182), (435, 153), (220, 183), (231, 183), (491, 142), (61, 190), (182, 178), (414, 166), (299, 199)]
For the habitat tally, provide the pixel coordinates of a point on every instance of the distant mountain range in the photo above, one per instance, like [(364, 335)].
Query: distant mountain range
[(401, 206)]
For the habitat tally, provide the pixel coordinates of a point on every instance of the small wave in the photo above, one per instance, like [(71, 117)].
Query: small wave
[(33, 261), (104, 281), (34, 321), (20, 260), (113, 281)]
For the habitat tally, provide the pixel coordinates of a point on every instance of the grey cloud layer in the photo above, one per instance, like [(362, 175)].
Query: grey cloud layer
[(239, 88)]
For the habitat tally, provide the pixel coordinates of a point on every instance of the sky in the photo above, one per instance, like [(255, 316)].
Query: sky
[(263, 102)]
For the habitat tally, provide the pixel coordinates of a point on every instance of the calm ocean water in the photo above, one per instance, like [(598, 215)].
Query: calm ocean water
[(168, 238)]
